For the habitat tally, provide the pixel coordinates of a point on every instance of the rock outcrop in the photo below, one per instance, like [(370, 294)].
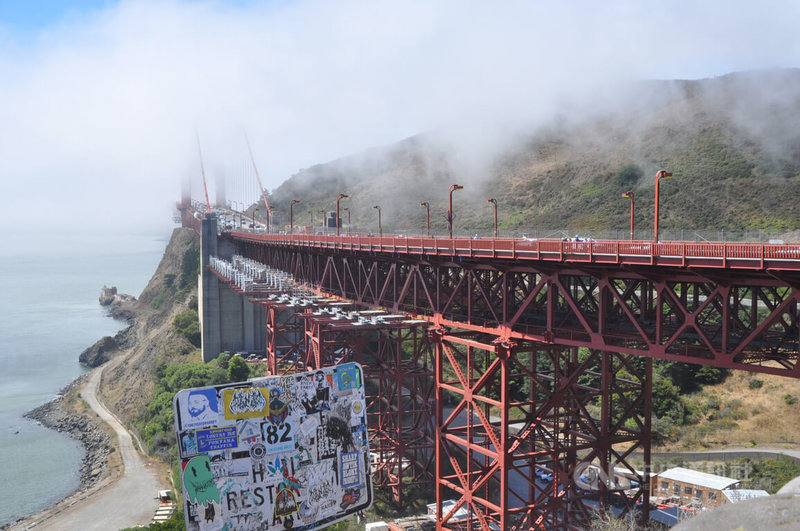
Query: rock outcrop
[(61, 416), (121, 305), (99, 353)]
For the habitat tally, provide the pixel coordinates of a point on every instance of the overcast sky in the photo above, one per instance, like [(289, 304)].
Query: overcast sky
[(100, 100)]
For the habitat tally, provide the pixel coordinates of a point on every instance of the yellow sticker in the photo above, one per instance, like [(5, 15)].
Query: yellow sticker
[(246, 402)]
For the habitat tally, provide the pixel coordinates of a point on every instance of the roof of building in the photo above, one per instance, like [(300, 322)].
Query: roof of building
[(700, 479), (737, 495)]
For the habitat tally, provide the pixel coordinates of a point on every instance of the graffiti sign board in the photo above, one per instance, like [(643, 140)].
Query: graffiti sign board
[(281, 452)]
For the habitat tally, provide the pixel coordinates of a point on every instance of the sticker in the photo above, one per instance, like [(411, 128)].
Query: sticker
[(199, 409), (216, 439), (348, 378), (245, 402), (258, 451), (275, 453), (348, 464), (279, 438)]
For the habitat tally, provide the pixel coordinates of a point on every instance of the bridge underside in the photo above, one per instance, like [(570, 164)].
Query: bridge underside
[(728, 319)]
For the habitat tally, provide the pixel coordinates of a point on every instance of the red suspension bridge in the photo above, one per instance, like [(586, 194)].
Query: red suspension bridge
[(501, 368)]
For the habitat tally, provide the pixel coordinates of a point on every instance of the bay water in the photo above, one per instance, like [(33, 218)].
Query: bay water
[(49, 313)]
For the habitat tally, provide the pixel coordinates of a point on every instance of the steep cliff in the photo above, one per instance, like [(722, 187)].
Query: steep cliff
[(151, 340)]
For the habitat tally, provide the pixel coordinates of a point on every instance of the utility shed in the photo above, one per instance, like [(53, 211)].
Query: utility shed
[(691, 487)]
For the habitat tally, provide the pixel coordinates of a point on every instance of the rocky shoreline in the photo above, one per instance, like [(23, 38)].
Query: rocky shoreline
[(58, 415), (62, 416)]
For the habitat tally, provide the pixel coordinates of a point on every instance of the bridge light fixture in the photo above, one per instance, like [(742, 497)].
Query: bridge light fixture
[(341, 196), (494, 202), (450, 214), (630, 194), (291, 215), (427, 217), (380, 227), (662, 174)]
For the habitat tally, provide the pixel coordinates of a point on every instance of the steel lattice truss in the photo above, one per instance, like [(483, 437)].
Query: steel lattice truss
[(398, 368), (544, 368), (521, 423), (736, 319), (286, 347)]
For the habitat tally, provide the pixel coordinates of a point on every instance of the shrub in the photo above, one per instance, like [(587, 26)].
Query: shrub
[(188, 325), (711, 375), (755, 383), (712, 403), (790, 399), (238, 370), (223, 360)]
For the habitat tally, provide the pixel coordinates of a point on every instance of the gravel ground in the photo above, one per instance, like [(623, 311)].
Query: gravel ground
[(779, 512)]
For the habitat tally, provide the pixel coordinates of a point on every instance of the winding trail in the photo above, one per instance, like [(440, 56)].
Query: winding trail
[(127, 503)]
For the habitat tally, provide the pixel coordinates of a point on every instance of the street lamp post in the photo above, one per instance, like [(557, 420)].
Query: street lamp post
[(348, 219), (630, 194), (322, 213), (291, 215), (380, 227), (341, 196), (494, 202), (662, 174), (427, 217), (450, 215)]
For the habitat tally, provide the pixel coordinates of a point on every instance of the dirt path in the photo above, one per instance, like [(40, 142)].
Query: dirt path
[(126, 503)]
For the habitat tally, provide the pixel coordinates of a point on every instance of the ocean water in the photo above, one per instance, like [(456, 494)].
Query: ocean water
[(49, 313)]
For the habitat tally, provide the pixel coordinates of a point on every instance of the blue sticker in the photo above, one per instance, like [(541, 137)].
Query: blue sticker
[(199, 408), (215, 439), (348, 378)]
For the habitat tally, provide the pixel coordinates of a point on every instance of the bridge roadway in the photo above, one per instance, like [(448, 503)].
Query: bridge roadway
[(501, 307)]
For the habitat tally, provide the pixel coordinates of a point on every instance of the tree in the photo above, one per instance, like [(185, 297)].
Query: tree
[(238, 369), (666, 399), (223, 360), (628, 175), (188, 325)]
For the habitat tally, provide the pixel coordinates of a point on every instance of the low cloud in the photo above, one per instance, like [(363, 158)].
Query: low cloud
[(100, 110)]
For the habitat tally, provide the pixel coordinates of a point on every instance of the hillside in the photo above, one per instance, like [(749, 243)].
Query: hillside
[(152, 340), (731, 142)]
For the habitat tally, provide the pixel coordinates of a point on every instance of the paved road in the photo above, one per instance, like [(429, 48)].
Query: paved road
[(127, 503)]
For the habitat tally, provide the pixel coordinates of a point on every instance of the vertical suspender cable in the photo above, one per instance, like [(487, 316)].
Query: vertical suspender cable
[(202, 171), (258, 179)]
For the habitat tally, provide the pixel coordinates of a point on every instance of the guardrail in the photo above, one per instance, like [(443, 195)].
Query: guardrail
[(754, 256)]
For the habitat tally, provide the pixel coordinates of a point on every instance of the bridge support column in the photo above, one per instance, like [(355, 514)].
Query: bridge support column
[(533, 436), (248, 325), (208, 299), (285, 338), (398, 370)]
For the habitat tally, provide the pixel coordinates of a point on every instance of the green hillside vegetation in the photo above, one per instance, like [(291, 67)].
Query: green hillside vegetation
[(731, 143)]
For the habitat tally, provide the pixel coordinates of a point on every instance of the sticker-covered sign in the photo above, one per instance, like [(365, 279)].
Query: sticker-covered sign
[(282, 452)]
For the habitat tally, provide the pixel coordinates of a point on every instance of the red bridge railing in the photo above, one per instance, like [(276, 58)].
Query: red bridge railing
[(730, 255)]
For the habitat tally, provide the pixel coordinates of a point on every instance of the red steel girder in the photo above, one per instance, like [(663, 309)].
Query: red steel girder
[(524, 420), (735, 319), (397, 359)]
